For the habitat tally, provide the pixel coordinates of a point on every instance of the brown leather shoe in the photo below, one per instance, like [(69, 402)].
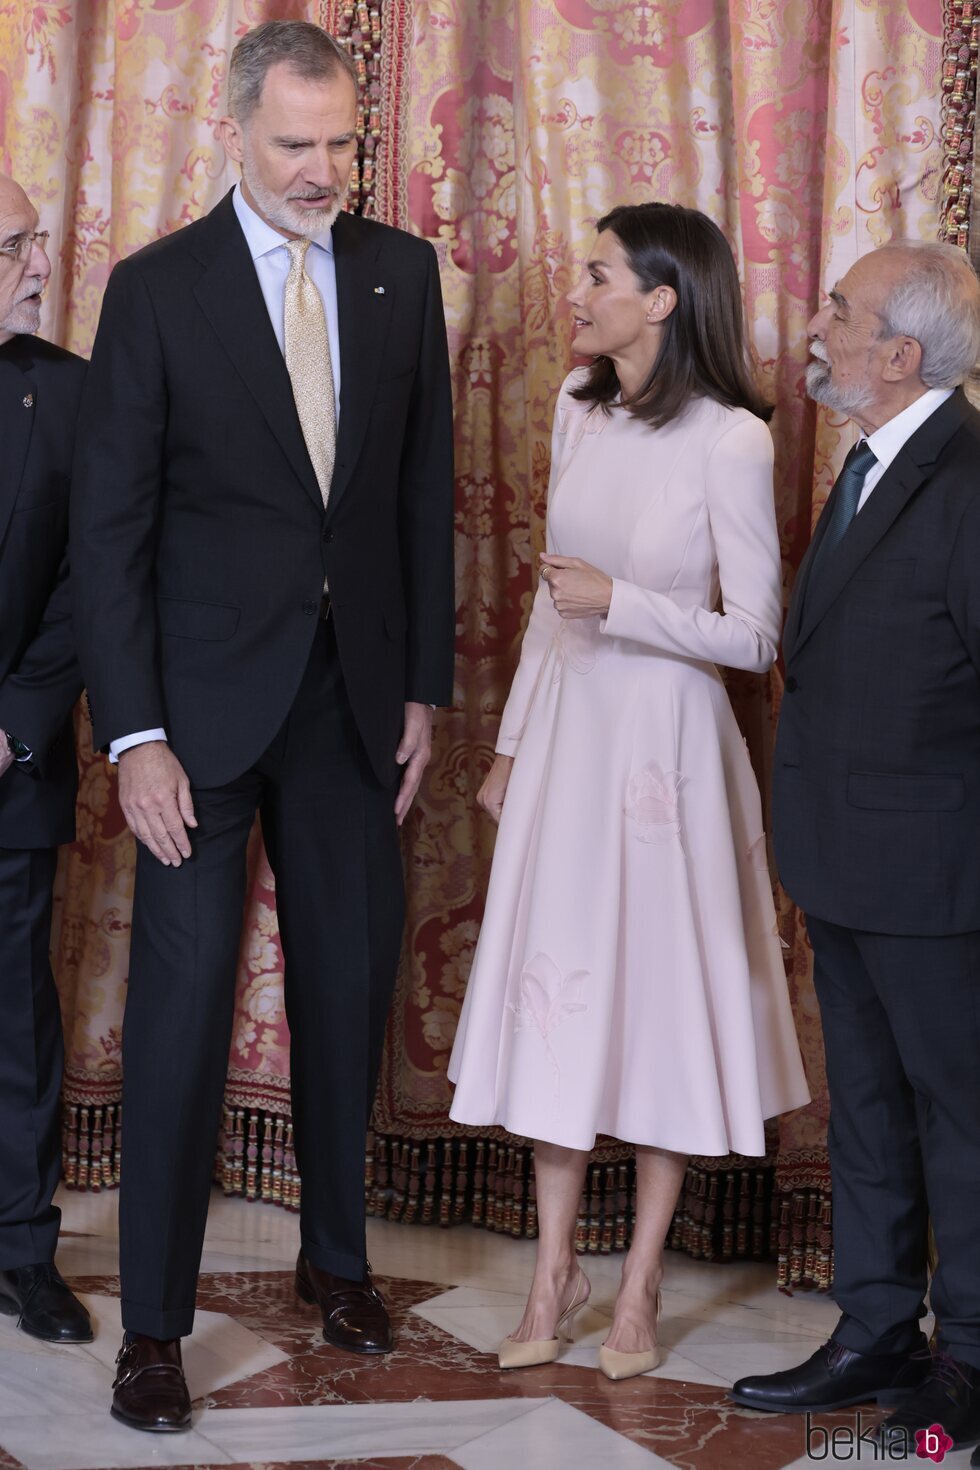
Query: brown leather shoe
[(150, 1391), (355, 1317)]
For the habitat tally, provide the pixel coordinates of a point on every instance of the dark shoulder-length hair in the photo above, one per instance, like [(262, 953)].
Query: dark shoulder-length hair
[(702, 350)]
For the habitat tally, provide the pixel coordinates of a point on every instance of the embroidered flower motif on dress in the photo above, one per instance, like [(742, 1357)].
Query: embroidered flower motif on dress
[(652, 803), (545, 999), (759, 858), (577, 645), (575, 419)]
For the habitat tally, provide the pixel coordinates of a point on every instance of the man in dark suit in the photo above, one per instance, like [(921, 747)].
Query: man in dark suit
[(877, 832), (265, 609), (40, 387)]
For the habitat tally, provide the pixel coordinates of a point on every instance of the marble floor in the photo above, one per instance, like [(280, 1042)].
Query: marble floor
[(270, 1394)]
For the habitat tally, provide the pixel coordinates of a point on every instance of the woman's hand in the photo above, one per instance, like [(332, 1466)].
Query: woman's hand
[(577, 589), (491, 794)]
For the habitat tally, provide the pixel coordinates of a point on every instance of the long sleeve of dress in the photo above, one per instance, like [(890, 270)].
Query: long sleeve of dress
[(542, 626), (741, 513)]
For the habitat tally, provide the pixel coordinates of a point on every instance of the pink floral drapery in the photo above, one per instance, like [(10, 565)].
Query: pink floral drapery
[(809, 129)]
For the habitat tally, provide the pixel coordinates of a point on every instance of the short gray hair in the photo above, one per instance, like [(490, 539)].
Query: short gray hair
[(937, 303), (305, 48)]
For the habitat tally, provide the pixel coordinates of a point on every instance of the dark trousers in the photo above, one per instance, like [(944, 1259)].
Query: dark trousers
[(901, 1023), (31, 1056), (331, 837)]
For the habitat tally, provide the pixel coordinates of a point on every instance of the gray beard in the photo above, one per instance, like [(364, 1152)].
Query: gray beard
[(286, 215), (24, 319), (846, 401)]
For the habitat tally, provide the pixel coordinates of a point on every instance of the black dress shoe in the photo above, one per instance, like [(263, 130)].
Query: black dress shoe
[(150, 1390), (975, 1459), (43, 1304), (950, 1398), (832, 1379), (355, 1317)]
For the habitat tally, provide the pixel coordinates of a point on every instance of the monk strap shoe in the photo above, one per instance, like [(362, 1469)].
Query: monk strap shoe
[(354, 1314), (150, 1390)]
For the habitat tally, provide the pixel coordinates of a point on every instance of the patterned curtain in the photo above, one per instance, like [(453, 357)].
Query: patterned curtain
[(808, 129)]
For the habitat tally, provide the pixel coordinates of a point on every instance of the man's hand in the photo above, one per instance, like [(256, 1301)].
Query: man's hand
[(577, 589), (155, 796), (6, 758), (414, 750), (491, 794)]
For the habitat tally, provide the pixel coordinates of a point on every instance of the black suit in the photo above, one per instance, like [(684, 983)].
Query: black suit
[(40, 386), (202, 546), (876, 815)]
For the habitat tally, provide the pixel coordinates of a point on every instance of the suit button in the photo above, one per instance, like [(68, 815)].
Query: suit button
[(311, 606), (791, 685), (327, 533)]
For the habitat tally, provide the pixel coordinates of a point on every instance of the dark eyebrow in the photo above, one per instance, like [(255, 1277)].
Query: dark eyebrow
[(597, 265), (285, 140), (839, 300)]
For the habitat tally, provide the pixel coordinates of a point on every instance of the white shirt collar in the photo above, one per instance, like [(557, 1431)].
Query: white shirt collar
[(886, 442), (260, 237)]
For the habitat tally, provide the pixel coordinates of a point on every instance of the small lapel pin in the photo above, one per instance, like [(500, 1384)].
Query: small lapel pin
[(28, 400), (379, 290)]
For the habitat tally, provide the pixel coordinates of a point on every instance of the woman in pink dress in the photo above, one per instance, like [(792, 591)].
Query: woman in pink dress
[(628, 979)]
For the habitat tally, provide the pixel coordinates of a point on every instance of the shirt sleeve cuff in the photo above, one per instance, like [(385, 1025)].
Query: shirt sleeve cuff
[(126, 742)]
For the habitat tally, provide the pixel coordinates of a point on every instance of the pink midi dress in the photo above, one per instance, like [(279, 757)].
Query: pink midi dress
[(628, 979)]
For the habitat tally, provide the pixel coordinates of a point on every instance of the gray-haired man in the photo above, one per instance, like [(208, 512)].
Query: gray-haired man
[(40, 386), (876, 816), (265, 612)]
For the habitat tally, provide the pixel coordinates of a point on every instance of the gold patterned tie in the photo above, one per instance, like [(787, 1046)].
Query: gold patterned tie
[(308, 364)]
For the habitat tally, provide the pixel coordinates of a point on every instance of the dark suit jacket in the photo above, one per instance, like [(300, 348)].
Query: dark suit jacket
[(198, 529), (40, 387), (876, 788)]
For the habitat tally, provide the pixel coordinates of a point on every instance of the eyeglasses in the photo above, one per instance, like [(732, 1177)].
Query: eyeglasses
[(21, 247)]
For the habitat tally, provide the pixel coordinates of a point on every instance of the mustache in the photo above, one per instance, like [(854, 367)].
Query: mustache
[(818, 350), (316, 194)]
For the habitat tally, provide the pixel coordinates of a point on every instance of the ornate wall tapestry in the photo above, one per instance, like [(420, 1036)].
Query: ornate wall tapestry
[(960, 221), (961, 37), (808, 129)]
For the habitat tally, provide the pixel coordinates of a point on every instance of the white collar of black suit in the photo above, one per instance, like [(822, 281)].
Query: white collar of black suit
[(886, 442)]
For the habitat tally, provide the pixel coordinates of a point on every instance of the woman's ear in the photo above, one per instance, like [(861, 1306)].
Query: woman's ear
[(661, 301)]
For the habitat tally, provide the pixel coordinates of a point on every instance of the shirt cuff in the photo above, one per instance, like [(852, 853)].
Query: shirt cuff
[(126, 742)]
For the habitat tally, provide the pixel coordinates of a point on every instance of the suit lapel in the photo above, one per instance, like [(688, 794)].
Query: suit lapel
[(904, 476), (231, 298), (364, 316), (18, 407)]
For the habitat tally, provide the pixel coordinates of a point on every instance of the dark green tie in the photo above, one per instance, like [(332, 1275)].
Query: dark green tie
[(847, 489)]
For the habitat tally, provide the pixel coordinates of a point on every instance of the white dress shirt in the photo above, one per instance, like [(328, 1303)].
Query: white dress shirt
[(270, 257), (886, 442)]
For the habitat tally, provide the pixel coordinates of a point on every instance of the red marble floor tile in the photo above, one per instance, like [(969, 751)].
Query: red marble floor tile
[(696, 1427), (97, 1285)]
